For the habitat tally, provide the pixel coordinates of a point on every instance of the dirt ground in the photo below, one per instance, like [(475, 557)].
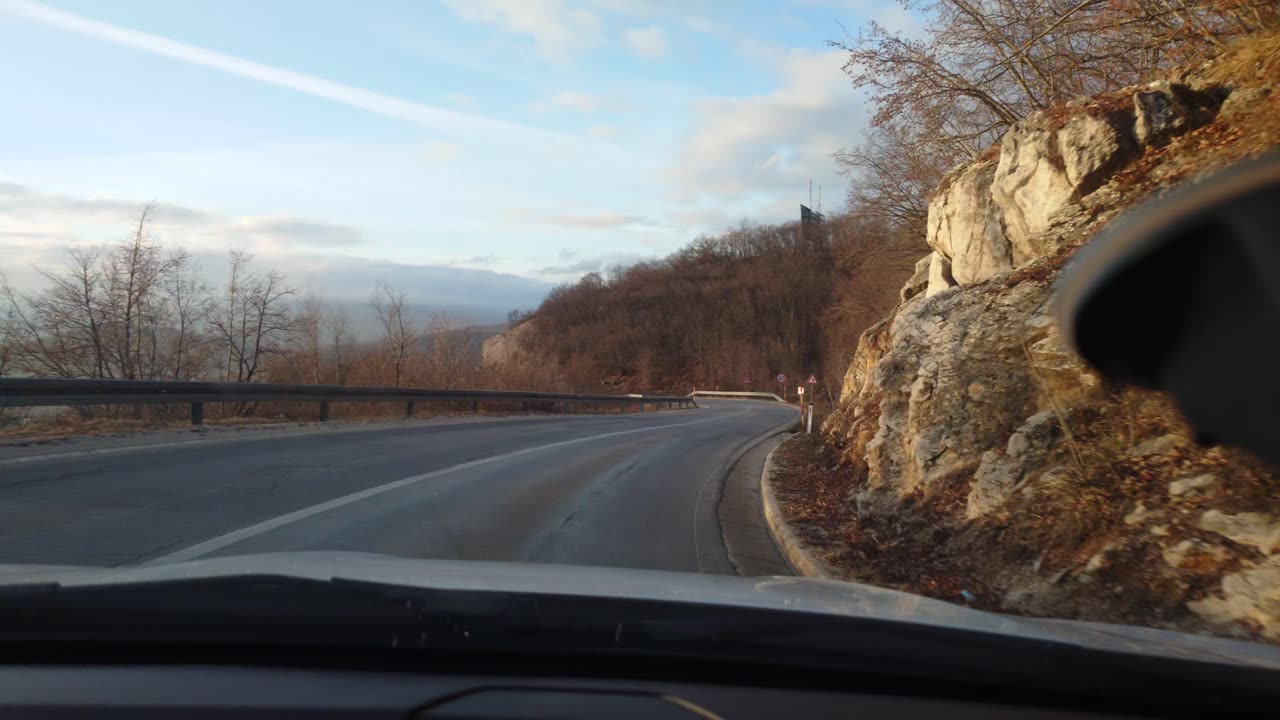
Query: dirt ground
[(1092, 548)]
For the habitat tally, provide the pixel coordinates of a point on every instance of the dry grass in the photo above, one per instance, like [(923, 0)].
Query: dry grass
[(1249, 61)]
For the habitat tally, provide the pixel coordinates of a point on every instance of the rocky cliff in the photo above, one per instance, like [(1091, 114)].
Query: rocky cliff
[(965, 419), (510, 348)]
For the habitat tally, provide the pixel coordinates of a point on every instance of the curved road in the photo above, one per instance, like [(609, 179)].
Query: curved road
[(636, 491)]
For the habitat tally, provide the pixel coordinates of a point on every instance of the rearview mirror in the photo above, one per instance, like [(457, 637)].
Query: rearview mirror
[(1182, 294)]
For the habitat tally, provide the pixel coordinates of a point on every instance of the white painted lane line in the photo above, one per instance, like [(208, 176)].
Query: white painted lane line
[(208, 546), (225, 435)]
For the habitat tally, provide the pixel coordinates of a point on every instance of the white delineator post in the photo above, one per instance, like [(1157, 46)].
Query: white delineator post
[(809, 422)]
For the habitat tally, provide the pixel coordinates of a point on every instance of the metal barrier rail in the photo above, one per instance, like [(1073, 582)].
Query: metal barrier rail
[(736, 394), (33, 392)]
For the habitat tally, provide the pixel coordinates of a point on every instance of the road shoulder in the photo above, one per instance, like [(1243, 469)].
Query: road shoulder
[(747, 537), (798, 554)]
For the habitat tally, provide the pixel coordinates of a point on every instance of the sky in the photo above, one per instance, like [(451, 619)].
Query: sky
[(431, 142)]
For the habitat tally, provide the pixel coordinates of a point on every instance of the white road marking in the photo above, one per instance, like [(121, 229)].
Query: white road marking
[(208, 546), (229, 434)]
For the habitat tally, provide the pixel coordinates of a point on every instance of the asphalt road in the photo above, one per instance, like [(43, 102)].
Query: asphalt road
[(635, 491)]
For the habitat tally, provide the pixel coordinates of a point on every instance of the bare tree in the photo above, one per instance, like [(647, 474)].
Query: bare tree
[(307, 350), (341, 344), (132, 272), (189, 302), (450, 357), (399, 336), (984, 64), (255, 318), (892, 173)]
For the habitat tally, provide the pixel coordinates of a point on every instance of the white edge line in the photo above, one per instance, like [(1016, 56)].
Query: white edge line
[(223, 434), (217, 543)]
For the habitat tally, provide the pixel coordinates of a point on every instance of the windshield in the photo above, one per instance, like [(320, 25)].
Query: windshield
[(713, 288)]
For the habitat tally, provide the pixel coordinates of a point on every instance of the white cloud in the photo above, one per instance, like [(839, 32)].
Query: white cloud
[(426, 115), (43, 220), (281, 233), (898, 19), (37, 227), (571, 99), (600, 263), (772, 143), (594, 221), (580, 101), (439, 152), (649, 43), (461, 100), (559, 32), (603, 132)]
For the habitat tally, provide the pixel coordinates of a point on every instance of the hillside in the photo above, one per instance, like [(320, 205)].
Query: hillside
[(746, 305), (976, 450)]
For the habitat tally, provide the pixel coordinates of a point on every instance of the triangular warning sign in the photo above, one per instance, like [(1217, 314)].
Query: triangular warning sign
[(812, 380)]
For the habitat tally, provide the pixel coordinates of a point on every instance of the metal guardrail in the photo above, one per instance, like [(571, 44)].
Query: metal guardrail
[(32, 392), (736, 394)]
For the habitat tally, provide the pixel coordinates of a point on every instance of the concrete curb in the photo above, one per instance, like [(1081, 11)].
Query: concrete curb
[(744, 533), (792, 548)]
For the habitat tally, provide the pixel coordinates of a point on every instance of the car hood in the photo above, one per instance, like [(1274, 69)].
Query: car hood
[(794, 594)]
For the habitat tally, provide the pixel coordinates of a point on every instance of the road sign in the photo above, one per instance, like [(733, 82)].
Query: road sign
[(812, 380), (782, 378), (800, 390), (746, 381)]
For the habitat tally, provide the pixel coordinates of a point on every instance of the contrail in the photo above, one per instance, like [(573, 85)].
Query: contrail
[(387, 105)]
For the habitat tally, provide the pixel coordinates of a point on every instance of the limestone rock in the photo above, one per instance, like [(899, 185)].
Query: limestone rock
[(939, 274), (996, 213), (1159, 113), (1101, 558), (964, 226), (1251, 595), (1029, 187), (942, 383), (1157, 445), (1195, 555), (1249, 528), (919, 280), (1000, 474), (1164, 109), (1141, 513), (1195, 485), (1091, 146), (509, 347)]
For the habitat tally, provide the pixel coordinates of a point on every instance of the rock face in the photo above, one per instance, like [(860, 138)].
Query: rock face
[(1251, 595), (958, 384), (995, 214), (958, 398), (1249, 528), (952, 384), (965, 228), (509, 347)]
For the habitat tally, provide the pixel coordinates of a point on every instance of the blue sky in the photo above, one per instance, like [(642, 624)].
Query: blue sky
[(539, 138)]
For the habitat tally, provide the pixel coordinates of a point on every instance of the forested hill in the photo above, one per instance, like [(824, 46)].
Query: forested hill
[(748, 304)]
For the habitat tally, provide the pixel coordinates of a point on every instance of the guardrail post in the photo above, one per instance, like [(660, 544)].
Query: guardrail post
[(197, 413), (324, 411), (408, 410), (564, 408), (475, 406)]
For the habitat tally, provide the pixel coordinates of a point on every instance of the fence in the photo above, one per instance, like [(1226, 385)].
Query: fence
[(738, 395), (29, 392)]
